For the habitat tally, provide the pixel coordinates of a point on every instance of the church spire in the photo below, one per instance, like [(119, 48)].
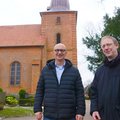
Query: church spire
[(59, 5)]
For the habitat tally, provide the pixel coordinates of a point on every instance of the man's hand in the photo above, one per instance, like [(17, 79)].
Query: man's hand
[(96, 116), (79, 117), (38, 115)]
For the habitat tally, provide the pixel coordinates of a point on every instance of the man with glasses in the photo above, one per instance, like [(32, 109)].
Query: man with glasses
[(105, 88), (60, 89)]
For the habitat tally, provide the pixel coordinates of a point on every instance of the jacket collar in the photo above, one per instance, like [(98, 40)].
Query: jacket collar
[(112, 63), (51, 63)]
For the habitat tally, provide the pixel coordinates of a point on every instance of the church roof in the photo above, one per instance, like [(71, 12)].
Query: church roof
[(59, 5), (20, 35)]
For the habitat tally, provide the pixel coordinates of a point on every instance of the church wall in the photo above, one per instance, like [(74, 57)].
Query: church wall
[(32, 59), (26, 56)]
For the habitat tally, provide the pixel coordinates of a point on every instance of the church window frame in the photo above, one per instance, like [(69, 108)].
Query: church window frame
[(58, 20), (15, 73), (58, 38)]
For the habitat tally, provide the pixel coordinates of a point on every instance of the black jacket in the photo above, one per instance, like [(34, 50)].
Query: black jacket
[(61, 101), (105, 90)]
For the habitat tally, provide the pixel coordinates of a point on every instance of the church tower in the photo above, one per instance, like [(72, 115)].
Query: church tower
[(59, 25)]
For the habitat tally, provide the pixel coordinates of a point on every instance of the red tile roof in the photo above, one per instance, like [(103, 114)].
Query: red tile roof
[(21, 35)]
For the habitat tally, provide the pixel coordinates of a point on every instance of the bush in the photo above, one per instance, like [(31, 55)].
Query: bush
[(2, 99), (22, 94), (26, 102), (1, 90), (11, 100)]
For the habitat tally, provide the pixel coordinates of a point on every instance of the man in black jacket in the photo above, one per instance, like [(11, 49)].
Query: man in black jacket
[(60, 89), (105, 88)]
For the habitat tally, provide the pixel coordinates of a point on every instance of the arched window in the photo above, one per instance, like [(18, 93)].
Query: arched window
[(15, 73), (58, 38)]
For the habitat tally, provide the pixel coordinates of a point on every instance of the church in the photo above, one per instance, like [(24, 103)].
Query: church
[(24, 49)]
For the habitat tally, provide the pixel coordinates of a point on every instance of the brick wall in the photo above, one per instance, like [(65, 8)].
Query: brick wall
[(32, 59), (26, 56), (67, 29)]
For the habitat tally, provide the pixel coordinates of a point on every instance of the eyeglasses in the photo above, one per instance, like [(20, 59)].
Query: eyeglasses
[(60, 50)]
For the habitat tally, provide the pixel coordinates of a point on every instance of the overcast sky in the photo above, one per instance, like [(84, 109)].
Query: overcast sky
[(90, 18)]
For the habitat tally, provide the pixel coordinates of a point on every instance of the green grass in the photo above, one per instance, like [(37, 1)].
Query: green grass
[(16, 112)]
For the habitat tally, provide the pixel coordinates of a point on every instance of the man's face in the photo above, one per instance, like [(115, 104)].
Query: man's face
[(60, 52), (109, 48)]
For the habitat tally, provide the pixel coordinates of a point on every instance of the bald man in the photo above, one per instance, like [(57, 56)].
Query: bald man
[(60, 89)]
